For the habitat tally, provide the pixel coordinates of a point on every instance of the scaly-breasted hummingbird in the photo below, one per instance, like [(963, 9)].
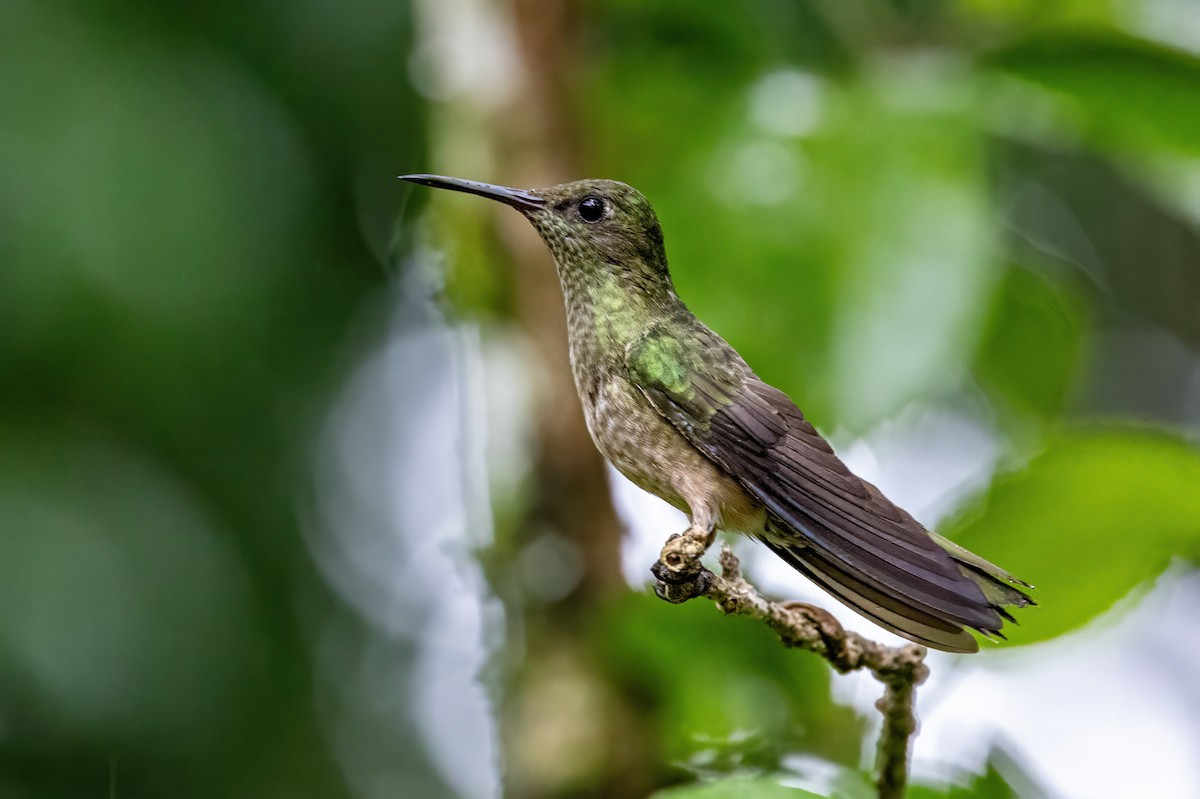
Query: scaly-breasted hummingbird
[(676, 410)]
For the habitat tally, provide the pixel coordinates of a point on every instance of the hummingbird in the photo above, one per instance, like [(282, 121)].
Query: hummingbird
[(674, 408)]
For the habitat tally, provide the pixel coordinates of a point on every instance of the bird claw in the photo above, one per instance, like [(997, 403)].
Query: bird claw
[(677, 588), (663, 574), (678, 569), (680, 556)]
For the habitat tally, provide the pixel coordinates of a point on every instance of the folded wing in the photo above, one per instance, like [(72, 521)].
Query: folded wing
[(834, 527)]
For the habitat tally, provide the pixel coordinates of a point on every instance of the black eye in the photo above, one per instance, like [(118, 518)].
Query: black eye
[(591, 209)]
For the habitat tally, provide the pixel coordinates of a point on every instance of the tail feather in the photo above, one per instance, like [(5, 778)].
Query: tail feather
[(997, 585), (887, 611), (894, 612)]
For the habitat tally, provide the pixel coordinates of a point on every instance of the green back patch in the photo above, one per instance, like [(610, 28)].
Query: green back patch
[(660, 360)]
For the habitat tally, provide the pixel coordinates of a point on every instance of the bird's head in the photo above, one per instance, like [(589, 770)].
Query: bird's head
[(594, 228)]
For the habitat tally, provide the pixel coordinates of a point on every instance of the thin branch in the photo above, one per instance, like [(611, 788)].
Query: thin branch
[(900, 669)]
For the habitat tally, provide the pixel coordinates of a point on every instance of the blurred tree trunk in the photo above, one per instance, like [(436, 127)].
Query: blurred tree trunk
[(537, 142), (568, 731)]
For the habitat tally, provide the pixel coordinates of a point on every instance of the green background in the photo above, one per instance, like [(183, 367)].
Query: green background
[(987, 205)]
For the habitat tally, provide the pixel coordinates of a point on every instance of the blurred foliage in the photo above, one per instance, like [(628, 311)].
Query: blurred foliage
[(724, 693), (1124, 93), (989, 785), (882, 204), (1099, 513), (1003, 777), (737, 788), (1031, 313), (193, 203)]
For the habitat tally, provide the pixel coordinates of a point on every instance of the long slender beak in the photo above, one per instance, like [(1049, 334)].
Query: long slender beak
[(520, 199)]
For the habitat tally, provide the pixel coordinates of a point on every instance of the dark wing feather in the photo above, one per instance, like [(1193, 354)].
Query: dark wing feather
[(880, 608), (831, 525)]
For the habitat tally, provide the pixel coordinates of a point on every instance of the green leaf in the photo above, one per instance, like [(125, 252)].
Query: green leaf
[(1130, 91), (1101, 512), (1031, 347), (1005, 777), (737, 787)]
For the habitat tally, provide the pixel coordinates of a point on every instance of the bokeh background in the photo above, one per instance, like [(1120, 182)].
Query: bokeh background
[(295, 497)]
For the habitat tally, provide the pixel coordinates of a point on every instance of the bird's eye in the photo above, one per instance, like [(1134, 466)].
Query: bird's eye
[(591, 209)]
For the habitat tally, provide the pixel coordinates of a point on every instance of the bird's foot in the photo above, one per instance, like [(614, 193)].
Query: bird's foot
[(678, 570), (675, 593), (680, 556)]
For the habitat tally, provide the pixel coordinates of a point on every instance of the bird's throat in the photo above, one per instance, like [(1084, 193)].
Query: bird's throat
[(604, 319), (619, 317)]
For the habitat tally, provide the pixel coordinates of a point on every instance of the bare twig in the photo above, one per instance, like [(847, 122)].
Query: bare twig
[(900, 669)]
